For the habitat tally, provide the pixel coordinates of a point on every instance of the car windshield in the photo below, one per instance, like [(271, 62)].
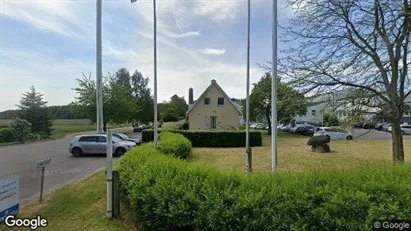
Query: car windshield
[(116, 140)]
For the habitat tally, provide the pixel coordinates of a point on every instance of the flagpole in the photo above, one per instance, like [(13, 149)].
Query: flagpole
[(247, 123), (274, 158)]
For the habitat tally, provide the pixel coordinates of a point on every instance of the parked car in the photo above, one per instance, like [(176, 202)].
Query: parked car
[(140, 128), (333, 133), (405, 129), (380, 126), (305, 130), (124, 137), (258, 126), (97, 144), (385, 127)]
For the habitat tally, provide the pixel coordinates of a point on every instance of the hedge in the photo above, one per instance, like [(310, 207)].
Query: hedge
[(166, 193), (174, 144), (7, 135), (212, 138)]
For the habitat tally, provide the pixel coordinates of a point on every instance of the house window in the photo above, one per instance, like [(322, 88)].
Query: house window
[(313, 113), (206, 101), (220, 101), (213, 120)]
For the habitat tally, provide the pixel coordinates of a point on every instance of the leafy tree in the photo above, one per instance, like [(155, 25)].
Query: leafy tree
[(21, 129), (143, 110), (117, 98), (180, 105), (289, 101), (33, 109), (363, 45), (168, 112), (330, 120)]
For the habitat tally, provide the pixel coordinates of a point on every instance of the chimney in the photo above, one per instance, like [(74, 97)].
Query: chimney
[(190, 96), (213, 81)]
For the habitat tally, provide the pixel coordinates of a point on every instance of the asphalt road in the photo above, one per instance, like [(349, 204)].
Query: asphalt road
[(372, 134), (64, 168)]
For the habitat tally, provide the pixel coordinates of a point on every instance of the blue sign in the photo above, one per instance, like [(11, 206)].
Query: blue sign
[(9, 197)]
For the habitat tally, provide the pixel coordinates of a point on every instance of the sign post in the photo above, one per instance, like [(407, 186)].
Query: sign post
[(42, 164), (9, 196), (109, 175)]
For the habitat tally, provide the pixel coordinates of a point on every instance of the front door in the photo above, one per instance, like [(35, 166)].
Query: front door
[(213, 122)]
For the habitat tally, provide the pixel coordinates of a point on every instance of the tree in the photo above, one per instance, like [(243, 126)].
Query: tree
[(21, 128), (117, 98), (180, 105), (289, 101), (357, 44), (143, 110), (33, 109), (330, 120)]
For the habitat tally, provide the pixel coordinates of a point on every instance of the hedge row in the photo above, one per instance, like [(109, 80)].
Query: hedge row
[(174, 144), (212, 138), (7, 135), (170, 194)]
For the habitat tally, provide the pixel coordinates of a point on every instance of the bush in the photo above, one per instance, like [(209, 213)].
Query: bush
[(21, 128), (330, 120), (174, 144), (213, 138), (184, 126), (169, 194), (7, 135)]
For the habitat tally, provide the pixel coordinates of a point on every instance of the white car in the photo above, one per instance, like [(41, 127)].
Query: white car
[(405, 129), (333, 133), (258, 126)]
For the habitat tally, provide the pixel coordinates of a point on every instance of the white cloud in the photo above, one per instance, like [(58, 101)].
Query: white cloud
[(212, 51)]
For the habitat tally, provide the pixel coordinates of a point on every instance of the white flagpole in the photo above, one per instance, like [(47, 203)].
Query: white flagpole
[(274, 140), (247, 122)]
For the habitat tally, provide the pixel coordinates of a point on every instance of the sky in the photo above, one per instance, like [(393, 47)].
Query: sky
[(49, 44)]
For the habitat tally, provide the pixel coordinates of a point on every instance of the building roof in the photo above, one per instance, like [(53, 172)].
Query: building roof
[(214, 83)]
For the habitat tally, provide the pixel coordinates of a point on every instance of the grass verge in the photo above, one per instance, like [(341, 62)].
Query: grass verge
[(78, 206)]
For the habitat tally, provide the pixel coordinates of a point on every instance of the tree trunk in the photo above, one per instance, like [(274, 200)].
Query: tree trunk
[(105, 126), (267, 114), (397, 142)]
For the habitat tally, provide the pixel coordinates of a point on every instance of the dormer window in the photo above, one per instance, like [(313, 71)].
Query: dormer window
[(220, 101)]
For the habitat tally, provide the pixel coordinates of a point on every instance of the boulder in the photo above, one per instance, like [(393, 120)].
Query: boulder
[(318, 140)]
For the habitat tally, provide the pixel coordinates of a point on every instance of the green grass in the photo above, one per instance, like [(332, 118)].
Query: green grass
[(294, 155), (62, 128), (78, 206)]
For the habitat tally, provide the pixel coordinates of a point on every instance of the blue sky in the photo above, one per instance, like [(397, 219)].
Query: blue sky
[(49, 44)]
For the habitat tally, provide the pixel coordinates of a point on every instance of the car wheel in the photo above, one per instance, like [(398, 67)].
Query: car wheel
[(328, 137), (349, 137), (76, 152), (119, 152), (402, 132)]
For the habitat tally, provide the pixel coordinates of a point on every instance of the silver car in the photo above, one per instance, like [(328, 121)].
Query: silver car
[(97, 144)]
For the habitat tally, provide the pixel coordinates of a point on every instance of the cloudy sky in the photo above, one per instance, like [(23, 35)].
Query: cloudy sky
[(49, 43)]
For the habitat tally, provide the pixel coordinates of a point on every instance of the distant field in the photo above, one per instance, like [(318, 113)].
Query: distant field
[(64, 127)]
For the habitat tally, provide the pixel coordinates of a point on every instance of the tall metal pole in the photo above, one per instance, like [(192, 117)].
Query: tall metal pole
[(247, 122), (99, 97), (109, 146), (155, 75), (274, 158)]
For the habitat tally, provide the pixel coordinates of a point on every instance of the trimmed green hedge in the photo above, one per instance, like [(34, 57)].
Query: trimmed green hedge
[(7, 135), (170, 194), (212, 138), (174, 144)]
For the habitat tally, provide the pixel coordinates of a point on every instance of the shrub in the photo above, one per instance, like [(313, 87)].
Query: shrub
[(7, 135), (184, 126), (213, 138), (170, 194), (21, 128), (174, 144), (330, 120)]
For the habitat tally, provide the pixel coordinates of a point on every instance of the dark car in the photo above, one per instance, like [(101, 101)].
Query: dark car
[(307, 130), (140, 128)]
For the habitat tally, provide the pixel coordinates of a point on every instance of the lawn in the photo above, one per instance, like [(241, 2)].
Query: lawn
[(78, 206), (295, 156), (65, 127)]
